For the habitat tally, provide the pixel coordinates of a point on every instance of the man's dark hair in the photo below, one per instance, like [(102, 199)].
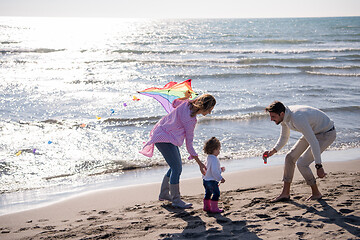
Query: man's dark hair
[(211, 145), (275, 107)]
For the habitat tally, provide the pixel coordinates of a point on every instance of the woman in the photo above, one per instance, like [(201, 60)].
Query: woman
[(169, 134)]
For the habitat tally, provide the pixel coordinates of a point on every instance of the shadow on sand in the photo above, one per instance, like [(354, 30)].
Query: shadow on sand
[(330, 215), (198, 229)]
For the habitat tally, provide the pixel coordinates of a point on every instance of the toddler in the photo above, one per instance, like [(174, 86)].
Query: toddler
[(213, 176)]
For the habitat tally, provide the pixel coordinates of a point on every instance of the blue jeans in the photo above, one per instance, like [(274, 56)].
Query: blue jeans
[(211, 188), (172, 156)]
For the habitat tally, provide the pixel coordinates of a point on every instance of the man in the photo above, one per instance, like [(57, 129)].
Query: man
[(318, 131)]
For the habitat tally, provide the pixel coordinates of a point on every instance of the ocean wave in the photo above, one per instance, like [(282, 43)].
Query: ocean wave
[(232, 114), (347, 40), (355, 56), (284, 41), (258, 113), (225, 40), (91, 81), (245, 62), (352, 109), (52, 121), (133, 51), (109, 122), (223, 115), (117, 166), (247, 114), (58, 176), (238, 51), (235, 117), (349, 67), (132, 121), (234, 65), (335, 74), (8, 42), (282, 60), (37, 50), (234, 75)]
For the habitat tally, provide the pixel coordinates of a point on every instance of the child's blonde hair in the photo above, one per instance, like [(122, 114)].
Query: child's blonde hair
[(211, 145)]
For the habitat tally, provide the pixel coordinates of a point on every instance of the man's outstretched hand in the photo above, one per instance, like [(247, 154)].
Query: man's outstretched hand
[(321, 172)]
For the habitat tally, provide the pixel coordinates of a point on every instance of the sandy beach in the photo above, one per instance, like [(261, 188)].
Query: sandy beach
[(134, 212)]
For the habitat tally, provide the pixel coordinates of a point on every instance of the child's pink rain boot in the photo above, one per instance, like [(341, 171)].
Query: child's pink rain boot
[(207, 205), (214, 207)]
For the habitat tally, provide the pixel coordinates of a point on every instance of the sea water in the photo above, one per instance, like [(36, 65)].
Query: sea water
[(68, 122)]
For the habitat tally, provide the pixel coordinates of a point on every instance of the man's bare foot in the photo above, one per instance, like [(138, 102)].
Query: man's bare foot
[(314, 197), (281, 198)]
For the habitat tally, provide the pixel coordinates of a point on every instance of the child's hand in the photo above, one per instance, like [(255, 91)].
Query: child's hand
[(222, 169), (222, 180)]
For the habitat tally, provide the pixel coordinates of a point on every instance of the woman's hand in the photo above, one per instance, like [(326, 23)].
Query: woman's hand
[(201, 165), (187, 94), (202, 168)]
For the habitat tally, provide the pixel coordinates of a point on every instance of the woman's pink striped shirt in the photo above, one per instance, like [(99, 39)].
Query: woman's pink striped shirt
[(173, 128)]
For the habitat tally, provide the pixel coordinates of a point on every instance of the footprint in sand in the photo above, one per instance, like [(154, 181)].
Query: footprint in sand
[(348, 202), (4, 230), (43, 220), (92, 218), (283, 214), (300, 234), (103, 212), (49, 227), (346, 211), (262, 215), (23, 229)]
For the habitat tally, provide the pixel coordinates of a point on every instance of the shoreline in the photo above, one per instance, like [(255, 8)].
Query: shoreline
[(32, 199), (65, 214)]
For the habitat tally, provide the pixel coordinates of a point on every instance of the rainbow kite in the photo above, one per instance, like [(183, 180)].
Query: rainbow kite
[(169, 93)]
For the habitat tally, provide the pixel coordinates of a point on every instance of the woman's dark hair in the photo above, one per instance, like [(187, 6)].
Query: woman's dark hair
[(204, 102), (275, 107), (211, 145)]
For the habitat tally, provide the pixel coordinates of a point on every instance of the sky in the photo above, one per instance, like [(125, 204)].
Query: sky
[(180, 8)]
